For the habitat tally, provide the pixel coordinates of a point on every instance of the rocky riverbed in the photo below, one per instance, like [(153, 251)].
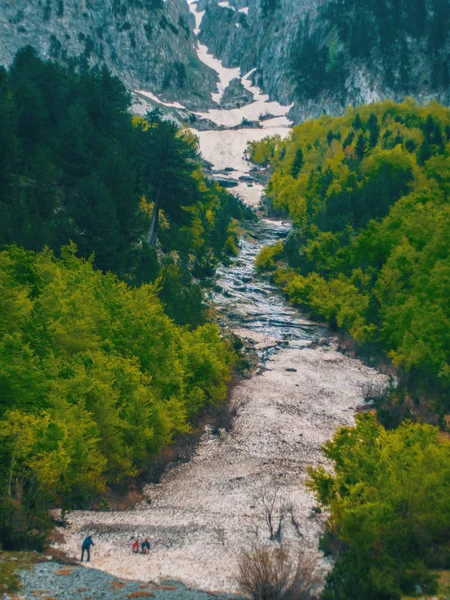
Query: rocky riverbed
[(53, 580), (203, 513)]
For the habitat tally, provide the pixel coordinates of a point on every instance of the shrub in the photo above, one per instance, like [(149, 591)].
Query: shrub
[(265, 260), (22, 528), (273, 573)]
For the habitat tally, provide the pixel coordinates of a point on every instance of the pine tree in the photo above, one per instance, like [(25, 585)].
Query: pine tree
[(297, 163), (361, 146), (374, 130), (357, 123)]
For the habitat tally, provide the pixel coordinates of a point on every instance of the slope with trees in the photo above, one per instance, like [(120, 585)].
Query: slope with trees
[(389, 512), (369, 249), (75, 165), (106, 343), (95, 380)]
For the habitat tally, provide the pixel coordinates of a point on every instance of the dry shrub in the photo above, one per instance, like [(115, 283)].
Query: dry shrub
[(117, 585), (274, 573), (140, 595), (65, 571)]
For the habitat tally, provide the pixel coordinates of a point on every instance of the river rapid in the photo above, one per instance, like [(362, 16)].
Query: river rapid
[(204, 512)]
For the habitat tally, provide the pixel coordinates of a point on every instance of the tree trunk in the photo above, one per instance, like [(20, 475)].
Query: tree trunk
[(152, 235), (13, 459)]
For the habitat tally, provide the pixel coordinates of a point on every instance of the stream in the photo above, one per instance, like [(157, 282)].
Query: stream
[(204, 512)]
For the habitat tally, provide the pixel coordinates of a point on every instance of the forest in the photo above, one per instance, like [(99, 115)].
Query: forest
[(389, 510), (77, 166), (108, 348), (377, 33), (368, 195)]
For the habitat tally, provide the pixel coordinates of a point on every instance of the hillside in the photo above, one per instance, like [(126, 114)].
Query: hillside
[(368, 194), (327, 54), (148, 43)]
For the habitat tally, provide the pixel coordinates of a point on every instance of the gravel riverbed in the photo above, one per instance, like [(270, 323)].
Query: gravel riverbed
[(53, 581), (203, 513)]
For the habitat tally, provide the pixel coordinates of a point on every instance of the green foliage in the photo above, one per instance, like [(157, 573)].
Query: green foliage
[(75, 165), (369, 249), (266, 151), (95, 379), (297, 163), (388, 503), (268, 255)]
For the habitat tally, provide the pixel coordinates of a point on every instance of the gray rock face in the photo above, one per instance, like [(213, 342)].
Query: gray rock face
[(235, 96), (148, 47), (321, 54), (327, 54)]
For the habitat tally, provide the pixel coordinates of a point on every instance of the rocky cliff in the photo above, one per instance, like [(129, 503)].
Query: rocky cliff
[(320, 55), (326, 54), (149, 43)]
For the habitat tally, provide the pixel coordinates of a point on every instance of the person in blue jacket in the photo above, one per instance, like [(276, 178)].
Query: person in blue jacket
[(86, 547)]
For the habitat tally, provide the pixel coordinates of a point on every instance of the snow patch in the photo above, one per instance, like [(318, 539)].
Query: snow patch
[(156, 99), (226, 5), (227, 148)]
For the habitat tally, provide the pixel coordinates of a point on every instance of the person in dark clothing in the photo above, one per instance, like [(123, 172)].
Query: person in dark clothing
[(86, 547), (145, 546)]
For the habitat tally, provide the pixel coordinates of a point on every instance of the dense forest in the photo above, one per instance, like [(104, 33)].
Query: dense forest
[(95, 380), (369, 197), (76, 166), (389, 511), (106, 344), (368, 194)]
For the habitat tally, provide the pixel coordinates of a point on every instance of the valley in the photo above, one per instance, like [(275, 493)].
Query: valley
[(204, 512), (144, 307)]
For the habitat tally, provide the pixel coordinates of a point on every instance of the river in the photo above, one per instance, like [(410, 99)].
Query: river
[(204, 512)]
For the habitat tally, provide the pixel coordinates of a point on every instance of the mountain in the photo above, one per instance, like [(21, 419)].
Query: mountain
[(321, 55), (326, 54), (150, 44)]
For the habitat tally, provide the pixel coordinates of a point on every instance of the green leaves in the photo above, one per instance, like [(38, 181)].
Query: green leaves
[(388, 499), (369, 247), (95, 377)]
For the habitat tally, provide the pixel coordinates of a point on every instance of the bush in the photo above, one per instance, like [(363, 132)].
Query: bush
[(273, 573), (265, 260), (388, 503), (21, 528)]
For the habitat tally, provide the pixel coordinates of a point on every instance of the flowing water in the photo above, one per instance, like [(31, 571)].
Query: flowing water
[(205, 511)]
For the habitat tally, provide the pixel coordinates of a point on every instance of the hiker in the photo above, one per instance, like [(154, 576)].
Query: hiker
[(86, 547), (135, 546), (145, 546)]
